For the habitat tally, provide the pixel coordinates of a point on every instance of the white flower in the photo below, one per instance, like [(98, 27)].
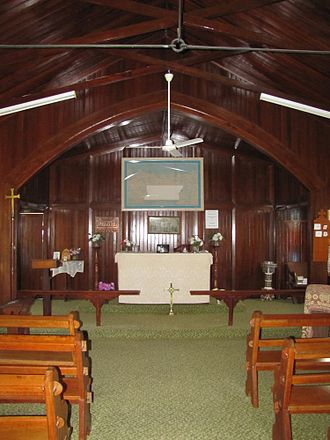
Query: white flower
[(127, 243), (217, 237), (94, 238), (196, 241)]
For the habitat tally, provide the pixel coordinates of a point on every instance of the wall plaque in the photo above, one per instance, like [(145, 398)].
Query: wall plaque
[(106, 224)]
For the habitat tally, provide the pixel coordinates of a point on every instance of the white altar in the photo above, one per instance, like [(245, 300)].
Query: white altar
[(152, 273)]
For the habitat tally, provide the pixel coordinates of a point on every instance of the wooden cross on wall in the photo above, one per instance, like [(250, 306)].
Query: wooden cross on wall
[(12, 198)]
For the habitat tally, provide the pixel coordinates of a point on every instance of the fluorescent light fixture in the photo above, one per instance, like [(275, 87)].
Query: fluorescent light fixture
[(37, 103), (294, 105)]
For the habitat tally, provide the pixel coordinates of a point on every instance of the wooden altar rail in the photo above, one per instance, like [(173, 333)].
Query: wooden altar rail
[(96, 297), (232, 297)]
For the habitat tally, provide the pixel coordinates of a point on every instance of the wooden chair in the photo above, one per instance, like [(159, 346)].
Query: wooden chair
[(303, 393), (53, 425), (297, 275), (264, 354), (33, 354)]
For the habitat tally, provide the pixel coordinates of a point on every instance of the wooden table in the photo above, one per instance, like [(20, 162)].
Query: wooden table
[(96, 297), (231, 297)]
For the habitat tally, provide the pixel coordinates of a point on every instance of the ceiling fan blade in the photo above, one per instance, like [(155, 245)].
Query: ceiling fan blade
[(144, 146), (188, 142), (175, 153)]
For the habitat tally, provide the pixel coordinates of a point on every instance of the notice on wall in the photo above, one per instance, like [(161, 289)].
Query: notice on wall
[(106, 224), (211, 219)]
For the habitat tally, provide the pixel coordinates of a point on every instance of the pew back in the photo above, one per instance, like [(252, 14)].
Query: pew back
[(69, 323), (300, 393), (32, 354), (52, 426), (265, 353)]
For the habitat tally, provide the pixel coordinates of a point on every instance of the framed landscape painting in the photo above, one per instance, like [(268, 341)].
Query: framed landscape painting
[(163, 225), (162, 184)]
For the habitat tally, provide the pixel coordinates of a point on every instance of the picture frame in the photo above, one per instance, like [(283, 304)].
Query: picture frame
[(162, 184), (164, 225), (163, 248)]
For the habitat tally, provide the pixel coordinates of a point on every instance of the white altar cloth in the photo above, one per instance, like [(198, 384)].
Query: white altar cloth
[(152, 273), (71, 267)]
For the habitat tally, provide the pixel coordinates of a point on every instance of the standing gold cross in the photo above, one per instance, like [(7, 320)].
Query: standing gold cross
[(172, 290), (12, 198)]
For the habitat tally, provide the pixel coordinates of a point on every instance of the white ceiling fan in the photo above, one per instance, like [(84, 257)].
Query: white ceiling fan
[(171, 146)]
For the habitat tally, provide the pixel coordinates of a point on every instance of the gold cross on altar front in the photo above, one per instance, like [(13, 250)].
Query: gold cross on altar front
[(12, 198)]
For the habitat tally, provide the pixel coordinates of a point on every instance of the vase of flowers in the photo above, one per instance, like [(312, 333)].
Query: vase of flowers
[(127, 245), (196, 243), (74, 252), (96, 239), (216, 238)]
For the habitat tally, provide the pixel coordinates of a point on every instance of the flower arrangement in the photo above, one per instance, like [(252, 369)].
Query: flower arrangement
[(96, 239), (216, 238), (196, 242), (127, 244), (74, 252)]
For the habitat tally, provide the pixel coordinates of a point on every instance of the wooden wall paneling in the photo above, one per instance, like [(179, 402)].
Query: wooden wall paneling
[(109, 247), (253, 231), (289, 191), (36, 190), (225, 278), (252, 176), (217, 177), (31, 244), (106, 180), (291, 242), (68, 229), (69, 181)]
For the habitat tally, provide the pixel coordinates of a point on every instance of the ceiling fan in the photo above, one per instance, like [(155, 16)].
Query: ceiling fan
[(171, 146)]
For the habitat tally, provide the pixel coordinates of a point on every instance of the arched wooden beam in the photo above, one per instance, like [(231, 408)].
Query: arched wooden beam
[(129, 109)]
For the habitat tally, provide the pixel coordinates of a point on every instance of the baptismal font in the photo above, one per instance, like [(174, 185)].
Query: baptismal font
[(268, 268)]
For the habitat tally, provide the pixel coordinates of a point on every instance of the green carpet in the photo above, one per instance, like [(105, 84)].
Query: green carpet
[(158, 377)]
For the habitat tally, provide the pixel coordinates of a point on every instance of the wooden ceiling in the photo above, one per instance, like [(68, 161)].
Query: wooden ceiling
[(124, 25)]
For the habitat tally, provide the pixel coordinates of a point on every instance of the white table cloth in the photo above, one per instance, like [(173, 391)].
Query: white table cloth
[(71, 267)]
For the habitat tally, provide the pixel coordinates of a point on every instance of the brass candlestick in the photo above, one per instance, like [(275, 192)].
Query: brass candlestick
[(171, 290)]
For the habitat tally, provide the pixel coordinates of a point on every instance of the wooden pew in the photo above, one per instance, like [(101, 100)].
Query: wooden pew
[(53, 425), (69, 323), (33, 354), (265, 353), (304, 393)]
